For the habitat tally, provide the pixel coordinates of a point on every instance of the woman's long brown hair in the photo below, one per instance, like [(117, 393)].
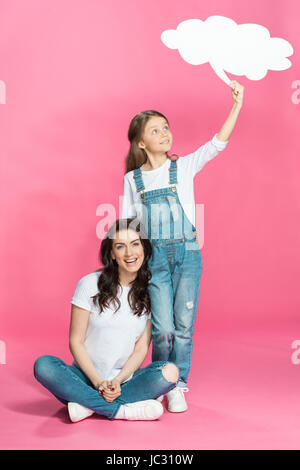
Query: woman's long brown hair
[(136, 156), (108, 283)]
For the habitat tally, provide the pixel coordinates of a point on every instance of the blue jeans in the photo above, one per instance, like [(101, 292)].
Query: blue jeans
[(69, 384), (174, 291)]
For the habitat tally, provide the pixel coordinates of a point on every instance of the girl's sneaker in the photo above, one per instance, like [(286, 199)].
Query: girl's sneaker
[(78, 412), (176, 400), (140, 410)]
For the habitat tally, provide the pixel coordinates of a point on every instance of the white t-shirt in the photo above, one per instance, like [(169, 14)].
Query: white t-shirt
[(187, 167), (110, 337)]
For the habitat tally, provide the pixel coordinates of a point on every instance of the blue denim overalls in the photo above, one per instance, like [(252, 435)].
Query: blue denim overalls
[(176, 268)]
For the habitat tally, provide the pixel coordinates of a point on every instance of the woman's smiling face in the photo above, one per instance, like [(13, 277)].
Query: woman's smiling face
[(128, 251), (157, 137)]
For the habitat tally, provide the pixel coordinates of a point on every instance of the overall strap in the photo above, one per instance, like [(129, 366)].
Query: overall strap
[(173, 172), (137, 174)]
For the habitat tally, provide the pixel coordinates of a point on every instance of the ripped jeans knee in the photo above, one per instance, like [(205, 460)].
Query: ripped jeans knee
[(170, 372)]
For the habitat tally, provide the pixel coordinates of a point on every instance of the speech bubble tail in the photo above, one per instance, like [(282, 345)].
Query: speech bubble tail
[(220, 72)]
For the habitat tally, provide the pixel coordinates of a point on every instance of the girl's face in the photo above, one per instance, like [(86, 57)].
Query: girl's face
[(128, 251), (157, 137)]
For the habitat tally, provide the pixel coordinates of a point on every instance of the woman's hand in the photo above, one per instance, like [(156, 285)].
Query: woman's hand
[(110, 389), (237, 92)]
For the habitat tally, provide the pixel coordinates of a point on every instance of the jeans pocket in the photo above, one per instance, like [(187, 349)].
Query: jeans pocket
[(193, 247), (194, 259)]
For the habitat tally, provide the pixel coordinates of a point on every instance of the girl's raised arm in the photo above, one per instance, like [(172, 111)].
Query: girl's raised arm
[(196, 161), (237, 91)]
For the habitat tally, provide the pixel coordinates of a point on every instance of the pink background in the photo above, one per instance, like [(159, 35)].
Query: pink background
[(76, 73)]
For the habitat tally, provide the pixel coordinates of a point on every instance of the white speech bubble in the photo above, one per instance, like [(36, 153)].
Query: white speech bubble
[(244, 49)]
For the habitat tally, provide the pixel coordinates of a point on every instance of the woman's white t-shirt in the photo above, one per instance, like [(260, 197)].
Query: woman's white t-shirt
[(110, 337), (187, 168)]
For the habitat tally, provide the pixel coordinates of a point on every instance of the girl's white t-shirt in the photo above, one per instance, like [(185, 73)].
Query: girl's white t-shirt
[(187, 168), (110, 337)]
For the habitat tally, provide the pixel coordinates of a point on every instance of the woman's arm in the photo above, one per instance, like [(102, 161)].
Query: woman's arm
[(237, 92), (78, 327), (137, 357)]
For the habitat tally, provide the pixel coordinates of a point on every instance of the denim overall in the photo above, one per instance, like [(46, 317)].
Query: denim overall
[(176, 268)]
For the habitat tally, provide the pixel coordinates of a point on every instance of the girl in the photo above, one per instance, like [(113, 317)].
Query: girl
[(110, 333), (159, 191)]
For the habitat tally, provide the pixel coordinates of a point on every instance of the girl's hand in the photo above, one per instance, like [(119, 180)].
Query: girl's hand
[(237, 91), (110, 389)]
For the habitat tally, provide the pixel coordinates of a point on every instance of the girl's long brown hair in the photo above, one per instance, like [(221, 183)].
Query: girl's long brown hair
[(136, 156), (108, 283)]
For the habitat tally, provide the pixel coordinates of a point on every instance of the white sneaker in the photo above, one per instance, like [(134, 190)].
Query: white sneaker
[(78, 412), (176, 400), (160, 398), (140, 410)]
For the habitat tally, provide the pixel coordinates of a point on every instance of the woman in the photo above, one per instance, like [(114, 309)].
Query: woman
[(110, 333)]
